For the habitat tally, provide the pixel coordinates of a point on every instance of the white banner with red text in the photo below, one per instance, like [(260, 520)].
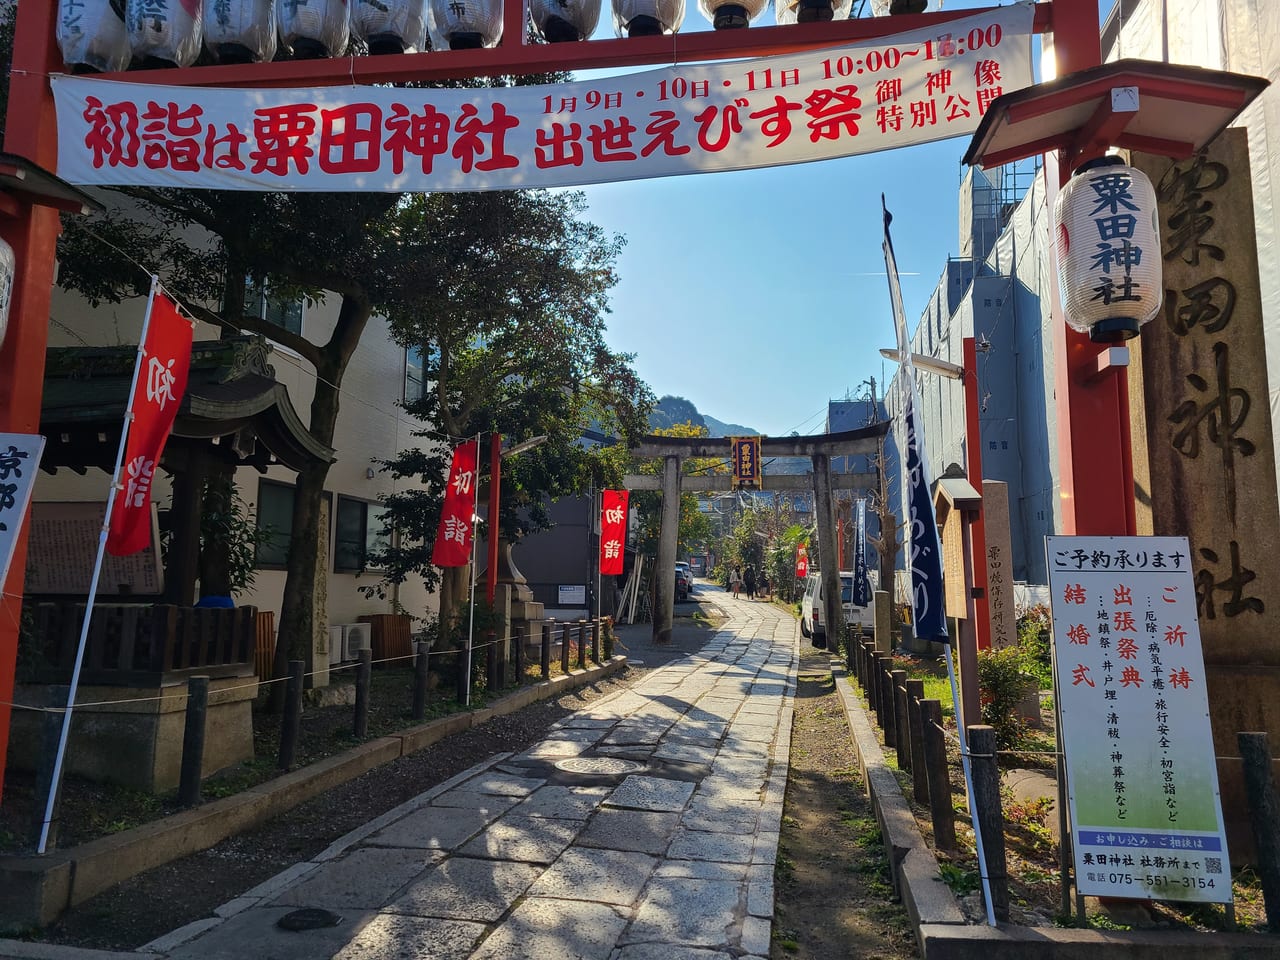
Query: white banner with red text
[(910, 88), (19, 462)]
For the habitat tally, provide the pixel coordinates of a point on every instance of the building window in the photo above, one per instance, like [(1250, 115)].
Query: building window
[(274, 513), (357, 535), (412, 374), (277, 311)]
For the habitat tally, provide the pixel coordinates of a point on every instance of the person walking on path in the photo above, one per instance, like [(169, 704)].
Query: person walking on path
[(749, 581), (735, 581)]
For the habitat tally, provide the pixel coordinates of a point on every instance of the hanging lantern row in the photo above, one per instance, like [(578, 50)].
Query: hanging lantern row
[(110, 35), (1109, 263)]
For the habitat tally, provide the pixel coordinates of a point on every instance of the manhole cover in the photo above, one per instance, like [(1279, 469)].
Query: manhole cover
[(609, 766), (308, 918)]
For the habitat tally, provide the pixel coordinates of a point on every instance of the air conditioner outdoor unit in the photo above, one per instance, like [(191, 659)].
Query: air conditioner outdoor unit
[(357, 637), (336, 649)]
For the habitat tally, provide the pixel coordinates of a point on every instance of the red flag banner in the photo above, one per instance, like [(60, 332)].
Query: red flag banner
[(613, 532), (802, 562), (453, 538), (157, 393)]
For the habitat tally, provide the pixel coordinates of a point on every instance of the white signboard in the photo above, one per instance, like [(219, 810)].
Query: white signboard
[(914, 87), (1129, 675), (574, 594), (19, 460)]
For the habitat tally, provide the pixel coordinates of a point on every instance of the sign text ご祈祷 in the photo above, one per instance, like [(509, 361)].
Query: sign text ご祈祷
[(1134, 713)]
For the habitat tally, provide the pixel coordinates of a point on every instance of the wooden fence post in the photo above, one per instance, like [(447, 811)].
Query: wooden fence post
[(582, 644), (360, 726), (292, 719), (1264, 814), (518, 638), (915, 732), (193, 741), (546, 651), (565, 647), (421, 674), (902, 739), (50, 736), (986, 797), (885, 698), (935, 759), (491, 658)]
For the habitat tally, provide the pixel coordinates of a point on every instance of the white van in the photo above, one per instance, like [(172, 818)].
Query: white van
[(812, 611)]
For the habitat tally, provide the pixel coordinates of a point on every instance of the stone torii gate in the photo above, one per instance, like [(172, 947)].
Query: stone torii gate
[(820, 449)]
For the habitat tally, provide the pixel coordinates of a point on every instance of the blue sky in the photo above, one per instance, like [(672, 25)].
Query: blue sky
[(760, 295)]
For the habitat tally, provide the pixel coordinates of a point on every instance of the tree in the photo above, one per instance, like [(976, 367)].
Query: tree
[(506, 303), (211, 247)]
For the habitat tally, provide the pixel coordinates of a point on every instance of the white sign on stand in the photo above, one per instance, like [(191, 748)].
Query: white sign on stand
[(1146, 818), (19, 460)]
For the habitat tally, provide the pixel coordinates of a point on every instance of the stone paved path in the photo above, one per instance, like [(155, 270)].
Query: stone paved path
[(657, 843)]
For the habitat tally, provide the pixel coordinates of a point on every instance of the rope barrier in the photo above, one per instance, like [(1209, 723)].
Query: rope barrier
[(222, 691)]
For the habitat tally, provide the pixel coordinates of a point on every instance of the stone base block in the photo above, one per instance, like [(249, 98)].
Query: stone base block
[(139, 744)]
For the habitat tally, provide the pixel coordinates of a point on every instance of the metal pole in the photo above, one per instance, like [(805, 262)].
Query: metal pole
[(97, 572), (973, 467), (966, 764)]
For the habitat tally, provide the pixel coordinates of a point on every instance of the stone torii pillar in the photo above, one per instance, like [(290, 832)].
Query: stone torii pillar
[(664, 581), (828, 553)]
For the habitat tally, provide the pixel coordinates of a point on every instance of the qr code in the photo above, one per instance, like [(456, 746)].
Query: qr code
[(1212, 864)]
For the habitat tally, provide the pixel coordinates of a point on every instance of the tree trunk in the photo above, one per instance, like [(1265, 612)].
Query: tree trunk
[(297, 616)]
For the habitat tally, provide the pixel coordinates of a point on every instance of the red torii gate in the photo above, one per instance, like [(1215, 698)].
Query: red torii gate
[(1095, 502)]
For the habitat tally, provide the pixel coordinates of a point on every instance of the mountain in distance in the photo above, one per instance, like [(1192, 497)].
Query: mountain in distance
[(718, 428), (672, 410)]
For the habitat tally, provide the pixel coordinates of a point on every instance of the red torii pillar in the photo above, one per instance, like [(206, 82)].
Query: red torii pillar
[(32, 231)]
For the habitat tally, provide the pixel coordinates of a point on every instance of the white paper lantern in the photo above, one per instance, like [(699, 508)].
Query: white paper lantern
[(240, 31), (464, 24), (647, 18), (811, 11), (390, 26), (732, 14), (310, 29), (91, 35), (7, 266), (165, 30), (561, 20), (1109, 263)]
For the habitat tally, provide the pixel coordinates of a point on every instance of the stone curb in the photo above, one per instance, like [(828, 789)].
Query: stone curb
[(914, 870), (34, 891), (941, 930)]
